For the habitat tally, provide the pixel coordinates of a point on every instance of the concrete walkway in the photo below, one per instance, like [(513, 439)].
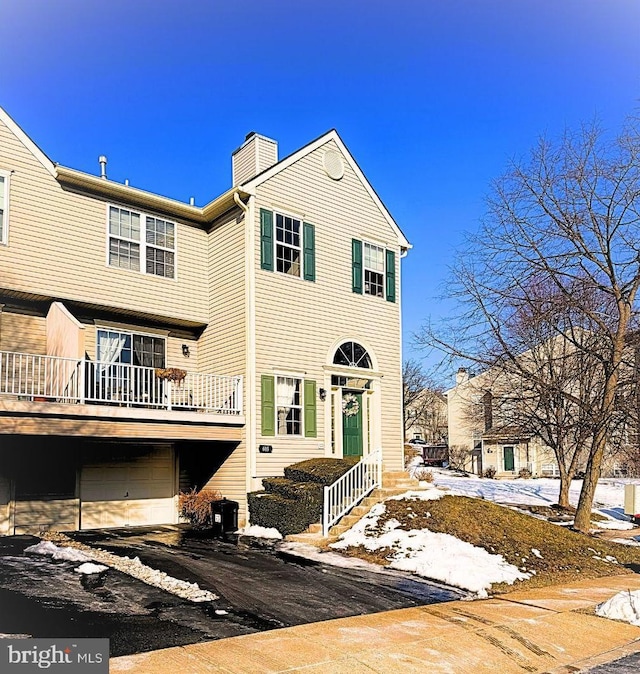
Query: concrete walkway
[(549, 630)]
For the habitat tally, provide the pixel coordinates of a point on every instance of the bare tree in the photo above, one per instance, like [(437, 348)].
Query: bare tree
[(561, 246), (424, 403)]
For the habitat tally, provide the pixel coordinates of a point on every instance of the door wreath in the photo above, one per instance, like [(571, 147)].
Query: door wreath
[(350, 405)]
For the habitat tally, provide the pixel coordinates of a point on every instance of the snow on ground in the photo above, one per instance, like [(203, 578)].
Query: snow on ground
[(609, 498), (431, 555), (49, 549), (331, 558), (132, 567), (88, 568), (623, 606), (259, 532)]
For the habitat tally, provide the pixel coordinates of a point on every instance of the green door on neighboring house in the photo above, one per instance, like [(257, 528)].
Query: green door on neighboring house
[(509, 463), (352, 424)]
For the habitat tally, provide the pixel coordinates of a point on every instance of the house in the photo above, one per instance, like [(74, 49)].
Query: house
[(149, 346), (482, 435), (426, 417)]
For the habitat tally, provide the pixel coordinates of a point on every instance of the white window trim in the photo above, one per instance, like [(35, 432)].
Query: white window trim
[(4, 239), (366, 243), (131, 332), (143, 243), (286, 214), (300, 378)]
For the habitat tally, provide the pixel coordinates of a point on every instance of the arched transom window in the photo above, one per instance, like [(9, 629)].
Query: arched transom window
[(352, 354)]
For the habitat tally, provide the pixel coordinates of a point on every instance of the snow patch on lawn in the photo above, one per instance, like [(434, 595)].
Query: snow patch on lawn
[(431, 555), (619, 525), (260, 532), (623, 606)]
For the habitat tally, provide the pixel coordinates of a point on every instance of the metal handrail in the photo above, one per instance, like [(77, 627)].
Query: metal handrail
[(80, 380), (348, 490)]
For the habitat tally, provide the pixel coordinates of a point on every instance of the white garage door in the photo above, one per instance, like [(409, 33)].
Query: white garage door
[(134, 488)]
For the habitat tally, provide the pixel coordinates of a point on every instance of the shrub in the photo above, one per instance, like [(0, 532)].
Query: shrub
[(287, 515), (489, 472), (312, 492), (322, 471), (524, 473), (195, 506), (423, 475)]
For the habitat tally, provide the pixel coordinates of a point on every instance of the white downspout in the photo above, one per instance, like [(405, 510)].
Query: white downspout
[(250, 346)]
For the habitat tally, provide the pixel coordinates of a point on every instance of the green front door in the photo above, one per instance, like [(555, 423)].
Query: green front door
[(509, 463), (352, 424)]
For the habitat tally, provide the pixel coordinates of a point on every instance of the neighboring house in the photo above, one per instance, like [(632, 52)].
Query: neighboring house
[(426, 418), (481, 437), (149, 346)]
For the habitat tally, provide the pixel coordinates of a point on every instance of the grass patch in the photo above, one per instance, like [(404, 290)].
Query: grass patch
[(564, 554)]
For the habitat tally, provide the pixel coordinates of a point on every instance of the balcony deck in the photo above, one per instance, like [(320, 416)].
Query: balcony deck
[(53, 395)]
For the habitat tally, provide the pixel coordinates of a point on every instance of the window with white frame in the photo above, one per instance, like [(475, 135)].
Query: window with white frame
[(288, 245), (4, 206), (116, 346), (289, 406), (373, 270), (135, 236)]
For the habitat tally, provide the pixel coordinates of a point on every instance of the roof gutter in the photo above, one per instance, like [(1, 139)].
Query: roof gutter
[(111, 190)]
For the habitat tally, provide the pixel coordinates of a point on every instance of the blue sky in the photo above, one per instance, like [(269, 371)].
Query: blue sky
[(431, 97)]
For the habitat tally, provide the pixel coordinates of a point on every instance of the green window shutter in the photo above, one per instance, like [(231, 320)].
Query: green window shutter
[(266, 239), (356, 257), (268, 405), (310, 425), (309, 246), (391, 276)]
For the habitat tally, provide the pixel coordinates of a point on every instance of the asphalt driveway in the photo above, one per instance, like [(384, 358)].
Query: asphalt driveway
[(259, 588)]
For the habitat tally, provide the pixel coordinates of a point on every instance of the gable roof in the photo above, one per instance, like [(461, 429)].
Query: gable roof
[(265, 175), (27, 142)]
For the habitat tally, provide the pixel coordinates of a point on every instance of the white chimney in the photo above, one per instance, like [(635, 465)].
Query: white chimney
[(254, 156), (462, 376)]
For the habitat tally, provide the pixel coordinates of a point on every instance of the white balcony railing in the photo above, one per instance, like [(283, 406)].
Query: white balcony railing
[(70, 380), (348, 490)]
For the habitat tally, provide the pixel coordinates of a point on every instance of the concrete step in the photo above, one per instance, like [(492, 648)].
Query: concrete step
[(318, 540), (338, 529), (314, 528)]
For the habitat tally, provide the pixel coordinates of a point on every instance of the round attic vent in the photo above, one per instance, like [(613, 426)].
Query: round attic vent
[(333, 164)]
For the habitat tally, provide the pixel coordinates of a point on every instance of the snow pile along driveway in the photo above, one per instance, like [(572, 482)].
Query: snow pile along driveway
[(623, 606), (132, 567), (432, 555)]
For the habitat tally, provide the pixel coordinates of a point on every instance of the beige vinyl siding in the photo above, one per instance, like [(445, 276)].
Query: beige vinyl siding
[(23, 334), (244, 164), (230, 479), (298, 322), (58, 247), (222, 346)]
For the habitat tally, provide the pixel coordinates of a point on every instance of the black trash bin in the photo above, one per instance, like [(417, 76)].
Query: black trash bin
[(224, 517)]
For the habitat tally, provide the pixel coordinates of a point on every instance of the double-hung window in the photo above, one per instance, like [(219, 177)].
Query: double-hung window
[(292, 244), (4, 206), (373, 270), (288, 249), (289, 406), (135, 236)]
